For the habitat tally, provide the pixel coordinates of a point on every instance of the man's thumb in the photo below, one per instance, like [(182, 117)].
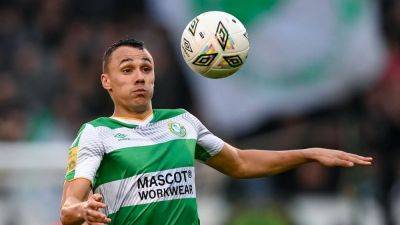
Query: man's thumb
[(97, 197)]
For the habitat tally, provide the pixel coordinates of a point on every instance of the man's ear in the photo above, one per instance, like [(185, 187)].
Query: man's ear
[(105, 81)]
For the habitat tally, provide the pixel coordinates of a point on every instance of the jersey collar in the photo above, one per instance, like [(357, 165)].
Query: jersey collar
[(131, 121)]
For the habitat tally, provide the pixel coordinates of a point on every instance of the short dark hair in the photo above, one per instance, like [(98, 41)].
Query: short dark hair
[(131, 42)]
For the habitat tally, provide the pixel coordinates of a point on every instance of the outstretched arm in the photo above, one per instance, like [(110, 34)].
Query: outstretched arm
[(259, 163)]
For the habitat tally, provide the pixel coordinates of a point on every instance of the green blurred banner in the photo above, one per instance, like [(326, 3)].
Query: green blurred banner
[(304, 55)]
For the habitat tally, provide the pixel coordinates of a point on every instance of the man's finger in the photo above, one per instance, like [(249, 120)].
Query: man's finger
[(344, 163), (95, 204), (94, 220), (353, 159), (96, 214), (98, 220), (361, 162), (95, 223), (357, 160), (97, 197), (361, 157)]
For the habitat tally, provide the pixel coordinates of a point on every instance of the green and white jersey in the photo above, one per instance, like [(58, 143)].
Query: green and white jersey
[(144, 172)]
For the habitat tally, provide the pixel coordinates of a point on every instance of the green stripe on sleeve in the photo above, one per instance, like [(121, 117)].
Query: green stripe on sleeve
[(70, 175), (201, 153)]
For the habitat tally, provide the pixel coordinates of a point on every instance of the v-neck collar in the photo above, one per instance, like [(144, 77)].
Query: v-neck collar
[(134, 122)]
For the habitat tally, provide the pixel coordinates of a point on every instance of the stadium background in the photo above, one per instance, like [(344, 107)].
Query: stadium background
[(320, 73)]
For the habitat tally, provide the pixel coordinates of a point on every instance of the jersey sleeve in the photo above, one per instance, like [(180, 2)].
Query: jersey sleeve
[(85, 154), (207, 144)]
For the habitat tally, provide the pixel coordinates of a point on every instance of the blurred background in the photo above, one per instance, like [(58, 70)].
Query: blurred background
[(320, 73)]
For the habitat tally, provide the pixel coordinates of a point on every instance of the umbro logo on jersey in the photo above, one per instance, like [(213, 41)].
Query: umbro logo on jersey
[(177, 129), (121, 137)]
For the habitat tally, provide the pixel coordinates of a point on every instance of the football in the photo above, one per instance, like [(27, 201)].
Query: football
[(215, 44)]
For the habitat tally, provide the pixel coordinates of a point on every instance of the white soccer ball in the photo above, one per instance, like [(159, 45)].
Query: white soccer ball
[(215, 44)]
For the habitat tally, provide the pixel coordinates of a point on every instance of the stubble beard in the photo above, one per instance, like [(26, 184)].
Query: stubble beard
[(143, 106), (140, 108)]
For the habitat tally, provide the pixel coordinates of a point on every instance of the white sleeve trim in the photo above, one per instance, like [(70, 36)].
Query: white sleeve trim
[(211, 143)]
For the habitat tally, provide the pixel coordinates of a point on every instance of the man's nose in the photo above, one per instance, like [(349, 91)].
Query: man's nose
[(139, 77)]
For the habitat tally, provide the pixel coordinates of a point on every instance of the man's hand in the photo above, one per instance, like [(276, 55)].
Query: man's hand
[(91, 213), (332, 158), (79, 206)]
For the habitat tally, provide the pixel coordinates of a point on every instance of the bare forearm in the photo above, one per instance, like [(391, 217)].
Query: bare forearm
[(260, 163), (78, 206), (71, 212)]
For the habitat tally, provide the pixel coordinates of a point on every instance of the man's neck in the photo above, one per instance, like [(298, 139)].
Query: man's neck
[(131, 114)]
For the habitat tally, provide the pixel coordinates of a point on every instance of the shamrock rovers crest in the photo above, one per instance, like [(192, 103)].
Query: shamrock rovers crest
[(177, 129)]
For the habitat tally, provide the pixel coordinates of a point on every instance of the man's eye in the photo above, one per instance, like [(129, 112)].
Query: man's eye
[(147, 69), (126, 70)]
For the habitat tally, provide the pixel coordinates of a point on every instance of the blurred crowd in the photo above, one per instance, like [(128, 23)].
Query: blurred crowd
[(50, 62)]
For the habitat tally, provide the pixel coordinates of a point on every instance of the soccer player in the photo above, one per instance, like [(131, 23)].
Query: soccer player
[(139, 162)]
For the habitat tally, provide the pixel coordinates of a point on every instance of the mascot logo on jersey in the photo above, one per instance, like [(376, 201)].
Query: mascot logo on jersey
[(177, 129)]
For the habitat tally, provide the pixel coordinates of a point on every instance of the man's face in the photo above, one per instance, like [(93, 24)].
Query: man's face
[(130, 78)]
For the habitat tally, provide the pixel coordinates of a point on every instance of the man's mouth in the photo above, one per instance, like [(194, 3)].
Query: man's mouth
[(140, 91)]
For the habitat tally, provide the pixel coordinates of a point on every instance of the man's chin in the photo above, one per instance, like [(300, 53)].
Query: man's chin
[(140, 108)]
